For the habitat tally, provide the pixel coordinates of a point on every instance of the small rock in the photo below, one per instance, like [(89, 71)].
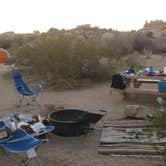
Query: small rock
[(135, 111)]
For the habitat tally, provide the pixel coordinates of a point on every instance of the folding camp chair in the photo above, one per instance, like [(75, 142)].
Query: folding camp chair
[(21, 142), (23, 90)]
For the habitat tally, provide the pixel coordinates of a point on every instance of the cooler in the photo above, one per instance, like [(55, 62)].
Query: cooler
[(162, 86)]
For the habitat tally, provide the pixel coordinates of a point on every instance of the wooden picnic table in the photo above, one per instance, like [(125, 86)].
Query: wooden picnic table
[(137, 80)]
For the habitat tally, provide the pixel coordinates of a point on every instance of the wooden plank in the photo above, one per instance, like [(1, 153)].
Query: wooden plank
[(128, 141), (144, 77), (137, 146), (140, 91), (147, 81), (137, 82), (114, 135), (117, 135), (127, 123), (111, 136), (123, 151)]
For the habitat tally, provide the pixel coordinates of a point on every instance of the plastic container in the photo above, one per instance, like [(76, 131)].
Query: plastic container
[(151, 70), (164, 71), (162, 86), (3, 56), (72, 122)]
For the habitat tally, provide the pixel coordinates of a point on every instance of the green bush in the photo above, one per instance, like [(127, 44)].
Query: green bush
[(62, 56), (159, 125), (70, 54), (143, 41)]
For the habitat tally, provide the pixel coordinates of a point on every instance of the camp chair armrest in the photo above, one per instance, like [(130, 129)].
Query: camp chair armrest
[(40, 86)]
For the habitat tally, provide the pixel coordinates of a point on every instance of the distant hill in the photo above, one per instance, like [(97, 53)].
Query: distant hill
[(158, 27), (155, 25)]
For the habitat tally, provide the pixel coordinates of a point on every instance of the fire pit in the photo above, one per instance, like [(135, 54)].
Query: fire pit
[(72, 122)]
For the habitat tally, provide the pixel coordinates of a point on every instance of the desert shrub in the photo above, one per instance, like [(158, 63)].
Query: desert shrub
[(134, 59), (159, 45), (120, 44), (159, 123), (7, 41), (69, 54), (63, 56), (143, 41)]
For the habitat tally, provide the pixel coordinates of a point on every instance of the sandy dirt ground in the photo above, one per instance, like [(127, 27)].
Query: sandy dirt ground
[(76, 151)]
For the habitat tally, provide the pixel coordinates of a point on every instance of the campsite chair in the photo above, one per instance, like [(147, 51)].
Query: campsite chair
[(21, 142), (23, 90)]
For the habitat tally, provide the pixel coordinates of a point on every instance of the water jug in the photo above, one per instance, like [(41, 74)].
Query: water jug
[(150, 70), (164, 71)]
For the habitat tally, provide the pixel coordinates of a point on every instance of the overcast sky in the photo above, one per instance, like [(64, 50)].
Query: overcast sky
[(25, 16)]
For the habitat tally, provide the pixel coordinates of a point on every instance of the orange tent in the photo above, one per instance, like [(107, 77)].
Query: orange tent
[(3, 55)]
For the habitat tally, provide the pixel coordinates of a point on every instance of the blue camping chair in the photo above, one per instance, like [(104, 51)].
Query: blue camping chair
[(21, 142), (23, 90)]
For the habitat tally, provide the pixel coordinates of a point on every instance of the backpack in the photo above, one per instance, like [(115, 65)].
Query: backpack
[(118, 82)]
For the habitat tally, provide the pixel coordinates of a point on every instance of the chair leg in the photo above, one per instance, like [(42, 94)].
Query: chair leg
[(28, 103), (19, 100), (24, 100), (38, 161), (12, 158), (35, 103), (23, 162)]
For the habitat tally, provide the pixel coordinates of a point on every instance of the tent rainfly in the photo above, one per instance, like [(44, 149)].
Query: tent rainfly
[(3, 56)]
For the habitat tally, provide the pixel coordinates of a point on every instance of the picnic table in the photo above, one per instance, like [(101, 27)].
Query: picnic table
[(137, 80)]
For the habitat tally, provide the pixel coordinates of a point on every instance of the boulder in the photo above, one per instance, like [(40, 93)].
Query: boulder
[(135, 111)]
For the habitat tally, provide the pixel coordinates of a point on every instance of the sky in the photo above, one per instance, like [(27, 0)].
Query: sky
[(26, 16)]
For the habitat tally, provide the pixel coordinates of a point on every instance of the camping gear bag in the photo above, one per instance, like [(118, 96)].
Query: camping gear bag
[(118, 81)]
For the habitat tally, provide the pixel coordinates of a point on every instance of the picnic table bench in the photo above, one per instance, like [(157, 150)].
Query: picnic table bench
[(141, 91)]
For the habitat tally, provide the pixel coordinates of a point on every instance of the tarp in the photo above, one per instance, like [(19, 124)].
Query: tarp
[(3, 55)]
